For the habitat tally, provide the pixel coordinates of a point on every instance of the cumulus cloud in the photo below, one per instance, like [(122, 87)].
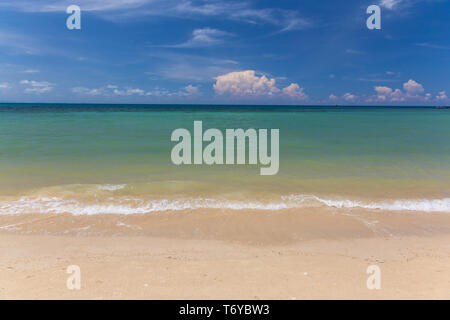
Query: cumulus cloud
[(247, 82), (333, 97), (387, 94), (349, 97), (294, 91), (442, 96), (190, 89), (411, 90), (37, 86)]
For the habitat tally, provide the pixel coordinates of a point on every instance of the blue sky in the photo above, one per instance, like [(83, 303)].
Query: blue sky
[(226, 52)]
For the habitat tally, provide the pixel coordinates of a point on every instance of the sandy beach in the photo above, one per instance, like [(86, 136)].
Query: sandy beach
[(226, 256), (224, 150)]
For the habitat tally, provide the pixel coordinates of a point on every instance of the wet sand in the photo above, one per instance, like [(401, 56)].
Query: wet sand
[(226, 255)]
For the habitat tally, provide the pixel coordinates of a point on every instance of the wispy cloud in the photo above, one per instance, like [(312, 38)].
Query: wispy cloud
[(390, 4), (377, 80), (352, 51), (17, 43), (87, 91), (109, 90), (431, 45), (31, 71), (114, 90), (244, 11), (4, 85), (38, 87), (204, 38), (189, 67), (61, 5)]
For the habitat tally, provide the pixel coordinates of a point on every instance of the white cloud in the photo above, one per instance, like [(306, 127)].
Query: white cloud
[(137, 91), (189, 67), (442, 96), (114, 90), (349, 97), (411, 90), (387, 94), (108, 90), (19, 43), (333, 97), (36, 86), (204, 37), (287, 20), (389, 4), (61, 5), (432, 45), (87, 91), (244, 11), (31, 71), (352, 51), (190, 89), (245, 83), (294, 91), (129, 92), (4, 85), (248, 82)]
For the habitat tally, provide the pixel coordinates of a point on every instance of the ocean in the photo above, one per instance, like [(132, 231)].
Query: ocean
[(115, 159)]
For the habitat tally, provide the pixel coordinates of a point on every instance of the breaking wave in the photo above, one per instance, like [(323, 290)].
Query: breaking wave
[(56, 205)]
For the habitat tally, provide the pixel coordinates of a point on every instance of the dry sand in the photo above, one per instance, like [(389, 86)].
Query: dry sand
[(288, 255)]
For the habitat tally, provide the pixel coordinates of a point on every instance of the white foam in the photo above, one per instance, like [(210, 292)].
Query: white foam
[(111, 187), (139, 206), (425, 205)]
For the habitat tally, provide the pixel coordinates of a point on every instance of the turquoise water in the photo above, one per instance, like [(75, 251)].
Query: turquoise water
[(111, 154)]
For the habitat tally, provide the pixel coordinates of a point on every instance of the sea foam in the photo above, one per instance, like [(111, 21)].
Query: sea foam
[(124, 206)]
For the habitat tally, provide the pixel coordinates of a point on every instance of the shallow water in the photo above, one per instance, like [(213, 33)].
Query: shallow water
[(88, 159)]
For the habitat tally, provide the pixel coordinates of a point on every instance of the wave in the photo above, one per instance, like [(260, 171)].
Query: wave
[(425, 205), (111, 187), (125, 206)]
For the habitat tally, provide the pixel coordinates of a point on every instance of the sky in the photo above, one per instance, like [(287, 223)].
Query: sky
[(304, 52)]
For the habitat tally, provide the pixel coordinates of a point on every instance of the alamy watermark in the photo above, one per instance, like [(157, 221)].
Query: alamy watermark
[(74, 280), (374, 280), (73, 22), (374, 21), (235, 147)]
